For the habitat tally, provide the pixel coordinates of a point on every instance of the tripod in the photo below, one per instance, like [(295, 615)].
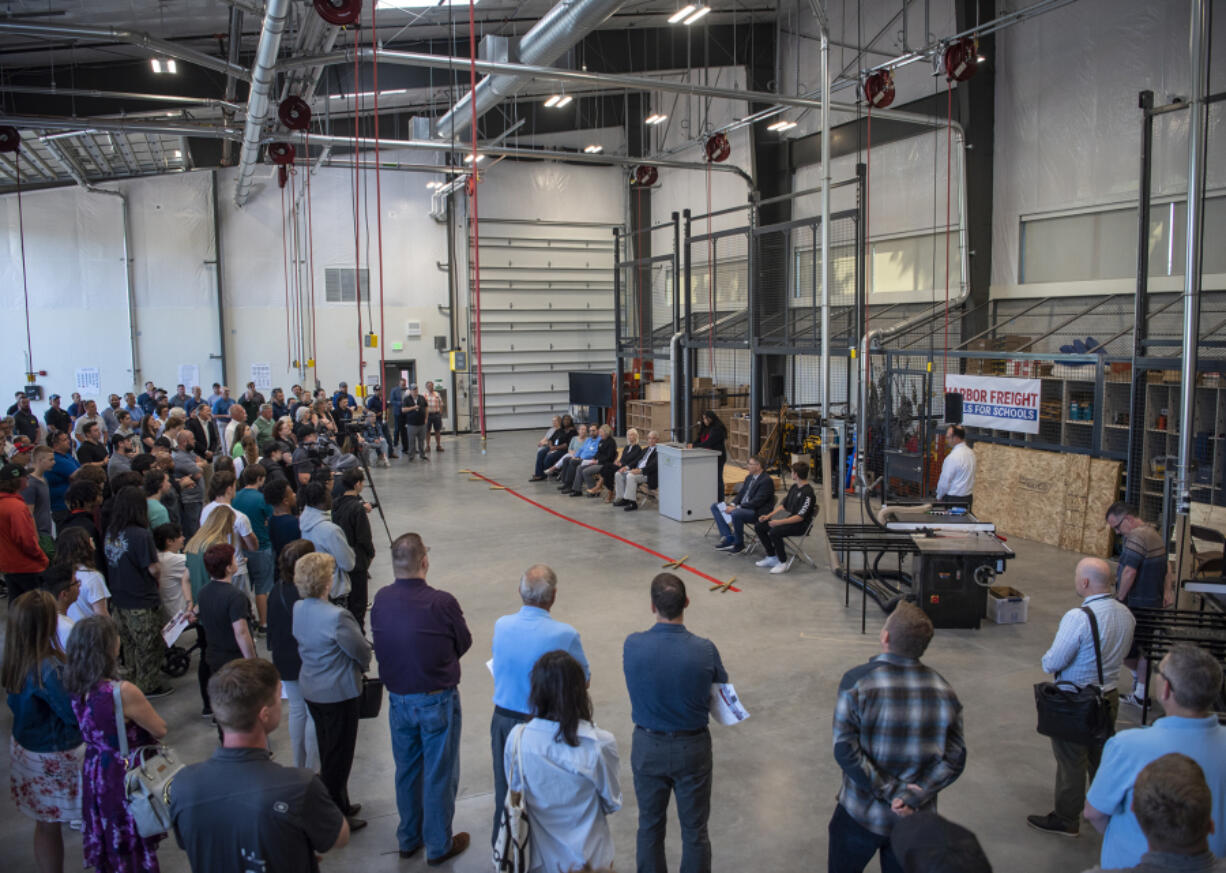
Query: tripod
[(374, 492)]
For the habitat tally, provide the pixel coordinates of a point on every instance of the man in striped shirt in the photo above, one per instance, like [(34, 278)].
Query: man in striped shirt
[(898, 739), (1071, 659)]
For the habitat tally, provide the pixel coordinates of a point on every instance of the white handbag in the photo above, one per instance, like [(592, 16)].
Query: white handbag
[(150, 771), (513, 848)]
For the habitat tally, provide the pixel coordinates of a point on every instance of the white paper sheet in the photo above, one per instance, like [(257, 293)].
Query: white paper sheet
[(175, 627), (726, 706)]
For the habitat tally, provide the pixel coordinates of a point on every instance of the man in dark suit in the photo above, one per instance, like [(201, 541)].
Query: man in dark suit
[(755, 497)]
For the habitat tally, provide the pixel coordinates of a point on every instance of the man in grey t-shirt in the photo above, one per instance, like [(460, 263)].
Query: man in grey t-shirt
[(191, 499)]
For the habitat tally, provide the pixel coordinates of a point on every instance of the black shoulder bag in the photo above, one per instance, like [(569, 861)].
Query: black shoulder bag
[(1076, 714)]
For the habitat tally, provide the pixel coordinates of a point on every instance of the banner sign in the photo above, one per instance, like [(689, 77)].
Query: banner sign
[(996, 403)]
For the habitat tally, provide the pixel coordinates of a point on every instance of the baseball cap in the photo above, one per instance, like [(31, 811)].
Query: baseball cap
[(344, 385), (927, 843), (11, 472), (54, 397)]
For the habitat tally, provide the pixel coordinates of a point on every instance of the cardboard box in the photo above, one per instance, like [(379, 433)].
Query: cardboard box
[(1007, 605), (702, 383), (658, 391)]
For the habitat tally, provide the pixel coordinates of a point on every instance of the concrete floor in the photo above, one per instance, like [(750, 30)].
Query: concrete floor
[(785, 641)]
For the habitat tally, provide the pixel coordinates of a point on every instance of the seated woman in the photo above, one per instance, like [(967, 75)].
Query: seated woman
[(562, 470), (605, 464), (572, 471), (635, 467), (566, 768), (544, 447)]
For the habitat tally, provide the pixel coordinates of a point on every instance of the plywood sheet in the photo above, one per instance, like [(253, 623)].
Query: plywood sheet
[(1051, 497)]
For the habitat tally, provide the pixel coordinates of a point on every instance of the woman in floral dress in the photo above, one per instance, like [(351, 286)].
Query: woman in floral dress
[(111, 842)]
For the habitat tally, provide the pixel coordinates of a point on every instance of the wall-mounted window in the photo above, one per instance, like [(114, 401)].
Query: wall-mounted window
[(915, 263)]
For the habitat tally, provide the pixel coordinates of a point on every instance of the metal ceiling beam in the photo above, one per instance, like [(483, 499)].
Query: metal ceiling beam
[(120, 95), (158, 153), (262, 75), (160, 128), (607, 80), (69, 163), (36, 159), (153, 44)]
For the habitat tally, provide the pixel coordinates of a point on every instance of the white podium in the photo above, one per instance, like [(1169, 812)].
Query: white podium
[(687, 480)]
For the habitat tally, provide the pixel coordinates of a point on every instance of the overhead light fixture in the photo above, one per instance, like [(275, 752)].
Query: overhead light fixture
[(177, 153), (594, 149), (552, 101), (164, 65), (362, 95), (681, 13), (655, 118), (781, 126), (434, 185), (700, 12), (468, 159), (557, 101)]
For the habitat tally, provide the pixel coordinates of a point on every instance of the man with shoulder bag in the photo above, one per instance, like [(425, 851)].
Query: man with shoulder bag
[(1085, 660)]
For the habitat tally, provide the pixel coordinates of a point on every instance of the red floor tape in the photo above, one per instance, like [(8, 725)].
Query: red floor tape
[(664, 558)]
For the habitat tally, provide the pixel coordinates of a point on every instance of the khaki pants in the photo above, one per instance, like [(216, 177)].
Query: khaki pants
[(1076, 765)]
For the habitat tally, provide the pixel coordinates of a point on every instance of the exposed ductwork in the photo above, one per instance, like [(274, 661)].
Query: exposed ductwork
[(162, 47), (562, 27), (262, 75)]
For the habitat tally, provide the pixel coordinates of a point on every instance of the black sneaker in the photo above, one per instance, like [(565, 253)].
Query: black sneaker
[(1052, 824), (206, 712), (725, 545), (631, 507)]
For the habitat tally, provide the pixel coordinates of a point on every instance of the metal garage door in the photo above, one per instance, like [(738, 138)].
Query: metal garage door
[(546, 309)]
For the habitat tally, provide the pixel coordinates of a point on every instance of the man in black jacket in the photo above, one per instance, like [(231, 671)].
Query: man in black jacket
[(755, 497), (789, 519), (351, 514), (634, 470), (57, 419), (413, 420)]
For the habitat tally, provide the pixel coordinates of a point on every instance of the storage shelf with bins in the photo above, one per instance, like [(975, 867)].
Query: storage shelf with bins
[(1161, 443)]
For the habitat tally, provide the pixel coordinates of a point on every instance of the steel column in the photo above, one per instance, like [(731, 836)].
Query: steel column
[(1140, 309)]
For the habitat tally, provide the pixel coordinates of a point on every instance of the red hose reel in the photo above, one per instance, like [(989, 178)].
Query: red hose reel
[(718, 148), (10, 139), (961, 59), (281, 153), (294, 113), (339, 12), (645, 176), (879, 89)]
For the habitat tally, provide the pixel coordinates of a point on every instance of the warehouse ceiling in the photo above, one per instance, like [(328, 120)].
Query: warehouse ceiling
[(67, 63)]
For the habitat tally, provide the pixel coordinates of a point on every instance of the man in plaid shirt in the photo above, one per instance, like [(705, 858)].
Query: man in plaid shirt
[(898, 739)]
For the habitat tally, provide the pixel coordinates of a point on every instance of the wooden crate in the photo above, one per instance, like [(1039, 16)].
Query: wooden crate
[(648, 415)]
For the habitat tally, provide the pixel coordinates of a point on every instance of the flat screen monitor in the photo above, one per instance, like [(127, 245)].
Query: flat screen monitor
[(591, 389)]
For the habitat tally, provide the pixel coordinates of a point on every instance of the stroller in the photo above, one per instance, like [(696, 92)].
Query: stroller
[(178, 660)]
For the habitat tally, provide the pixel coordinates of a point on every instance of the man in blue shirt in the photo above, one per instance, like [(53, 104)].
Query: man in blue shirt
[(1190, 681), (572, 469), (519, 640), (420, 635), (59, 476), (669, 674), (147, 400)]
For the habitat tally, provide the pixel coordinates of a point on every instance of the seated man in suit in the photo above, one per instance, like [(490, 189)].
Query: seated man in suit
[(755, 497), (635, 467)]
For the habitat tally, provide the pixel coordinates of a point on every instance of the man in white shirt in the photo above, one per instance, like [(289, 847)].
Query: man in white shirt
[(958, 472), (1071, 658)]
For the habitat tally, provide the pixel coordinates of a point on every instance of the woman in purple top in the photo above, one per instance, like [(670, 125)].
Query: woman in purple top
[(110, 841)]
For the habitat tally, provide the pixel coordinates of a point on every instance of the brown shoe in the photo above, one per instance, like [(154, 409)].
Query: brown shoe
[(459, 842)]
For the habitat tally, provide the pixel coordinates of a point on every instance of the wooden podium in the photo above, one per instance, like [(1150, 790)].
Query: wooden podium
[(687, 482)]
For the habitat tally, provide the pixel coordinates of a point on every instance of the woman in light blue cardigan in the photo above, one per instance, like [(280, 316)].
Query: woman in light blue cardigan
[(334, 657)]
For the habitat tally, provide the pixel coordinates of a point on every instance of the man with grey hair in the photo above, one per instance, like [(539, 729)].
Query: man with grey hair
[(263, 424), (1072, 658), (1189, 686), (187, 464), (519, 640)]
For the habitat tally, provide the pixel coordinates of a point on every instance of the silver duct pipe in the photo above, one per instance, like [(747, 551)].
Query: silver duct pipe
[(122, 125), (262, 75), (152, 43), (874, 337), (563, 26), (1199, 30)]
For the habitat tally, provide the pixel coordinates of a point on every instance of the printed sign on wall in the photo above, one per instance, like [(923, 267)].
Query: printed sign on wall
[(1000, 404)]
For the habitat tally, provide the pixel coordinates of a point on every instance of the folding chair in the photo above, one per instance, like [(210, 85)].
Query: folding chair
[(793, 544), (645, 495)]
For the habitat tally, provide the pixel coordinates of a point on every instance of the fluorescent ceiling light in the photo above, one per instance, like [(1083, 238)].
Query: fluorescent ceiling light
[(552, 101), (421, 4), (681, 13), (565, 100), (655, 118), (164, 65), (594, 149), (468, 159), (362, 95), (433, 185), (699, 13), (177, 153), (781, 126), (981, 59)]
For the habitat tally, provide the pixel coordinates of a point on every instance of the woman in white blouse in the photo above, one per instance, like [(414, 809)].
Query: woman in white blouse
[(566, 768)]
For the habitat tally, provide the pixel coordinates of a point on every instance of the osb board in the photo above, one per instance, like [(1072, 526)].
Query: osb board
[(1055, 498), (734, 476)]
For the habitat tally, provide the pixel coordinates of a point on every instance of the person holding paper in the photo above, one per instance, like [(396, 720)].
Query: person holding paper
[(755, 498), (669, 674), (898, 739)]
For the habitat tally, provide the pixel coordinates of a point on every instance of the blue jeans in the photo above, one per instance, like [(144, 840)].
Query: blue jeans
[(852, 846), (739, 517), (425, 732), (662, 767), (260, 568)]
